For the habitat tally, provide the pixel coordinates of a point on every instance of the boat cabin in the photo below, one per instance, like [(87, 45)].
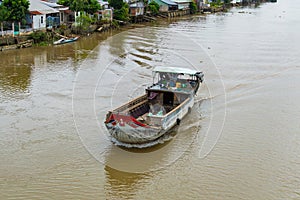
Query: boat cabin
[(171, 88)]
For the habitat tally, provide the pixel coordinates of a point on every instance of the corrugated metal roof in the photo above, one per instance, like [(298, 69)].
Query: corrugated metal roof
[(52, 5), (137, 5), (169, 2), (36, 5), (182, 1)]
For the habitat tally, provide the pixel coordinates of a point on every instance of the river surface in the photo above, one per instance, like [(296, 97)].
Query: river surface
[(241, 140)]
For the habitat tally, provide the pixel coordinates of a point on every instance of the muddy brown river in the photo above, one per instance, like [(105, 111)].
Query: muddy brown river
[(240, 141)]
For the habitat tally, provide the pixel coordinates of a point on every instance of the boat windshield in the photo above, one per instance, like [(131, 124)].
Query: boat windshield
[(174, 80)]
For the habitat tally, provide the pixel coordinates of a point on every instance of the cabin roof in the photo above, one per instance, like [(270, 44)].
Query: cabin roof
[(52, 5), (169, 2), (39, 7), (175, 70), (182, 1)]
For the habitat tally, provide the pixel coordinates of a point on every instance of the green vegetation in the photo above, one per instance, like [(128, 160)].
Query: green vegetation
[(38, 36), (121, 10), (63, 30), (193, 7), (41, 38), (122, 14), (43, 43), (88, 6), (154, 7), (16, 10), (84, 22), (115, 24), (116, 4), (216, 4), (3, 16)]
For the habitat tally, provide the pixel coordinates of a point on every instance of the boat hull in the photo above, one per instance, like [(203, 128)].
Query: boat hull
[(130, 135), (65, 41), (128, 130)]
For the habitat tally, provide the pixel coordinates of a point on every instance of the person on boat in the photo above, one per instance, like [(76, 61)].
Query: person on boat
[(156, 108)]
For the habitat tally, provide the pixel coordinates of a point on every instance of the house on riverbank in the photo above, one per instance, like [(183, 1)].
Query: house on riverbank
[(183, 4), (166, 5), (65, 14), (39, 13), (136, 8)]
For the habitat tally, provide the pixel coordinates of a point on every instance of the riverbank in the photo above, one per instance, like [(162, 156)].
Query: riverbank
[(48, 37)]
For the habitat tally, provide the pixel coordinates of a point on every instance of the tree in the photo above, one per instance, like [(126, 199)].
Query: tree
[(16, 9), (92, 7), (88, 6), (116, 4), (193, 7), (154, 7), (81, 8), (3, 16), (123, 13), (84, 22), (76, 5), (121, 9)]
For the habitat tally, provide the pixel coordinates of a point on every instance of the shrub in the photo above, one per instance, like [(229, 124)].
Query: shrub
[(216, 3), (38, 36), (154, 7), (83, 23), (193, 7), (122, 14)]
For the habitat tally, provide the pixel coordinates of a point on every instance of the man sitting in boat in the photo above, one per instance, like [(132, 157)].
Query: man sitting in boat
[(156, 108)]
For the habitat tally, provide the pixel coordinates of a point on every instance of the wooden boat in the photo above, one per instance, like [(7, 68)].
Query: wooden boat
[(148, 117), (65, 40)]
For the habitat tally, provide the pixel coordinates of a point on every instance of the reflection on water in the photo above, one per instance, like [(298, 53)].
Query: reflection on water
[(122, 184), (15, 73), (17, 66), (15, 80)]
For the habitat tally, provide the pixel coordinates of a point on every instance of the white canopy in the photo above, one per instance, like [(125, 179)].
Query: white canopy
[(175, 70)]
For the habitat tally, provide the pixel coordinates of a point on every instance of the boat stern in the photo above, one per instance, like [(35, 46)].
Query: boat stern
[(127, 129)]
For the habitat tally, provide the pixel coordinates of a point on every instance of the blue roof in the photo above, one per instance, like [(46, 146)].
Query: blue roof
[(169, 2)]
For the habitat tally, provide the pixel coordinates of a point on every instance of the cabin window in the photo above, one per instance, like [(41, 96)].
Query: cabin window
[(42, 19)]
